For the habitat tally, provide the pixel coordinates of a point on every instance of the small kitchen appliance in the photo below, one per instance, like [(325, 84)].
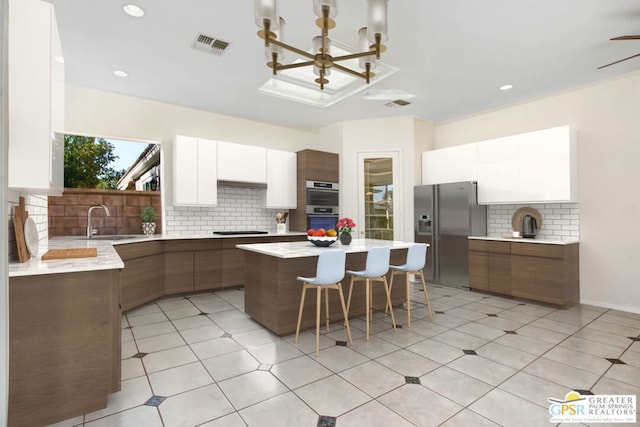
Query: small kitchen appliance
[(529, 226)]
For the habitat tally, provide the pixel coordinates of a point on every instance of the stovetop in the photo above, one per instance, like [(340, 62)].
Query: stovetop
[(239, 232)]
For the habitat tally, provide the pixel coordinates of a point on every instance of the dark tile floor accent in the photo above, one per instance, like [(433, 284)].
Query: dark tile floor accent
[(154, 401), (325, 421), (412, 380), (492, 315), (341, 343), (511, 332), (139, 355), (616, 361), (470, 352)]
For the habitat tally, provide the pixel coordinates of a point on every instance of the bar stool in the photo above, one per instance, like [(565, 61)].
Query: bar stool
[(376, 269), (329, 273), (416, 258)]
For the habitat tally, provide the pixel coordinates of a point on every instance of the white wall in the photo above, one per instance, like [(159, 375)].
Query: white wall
[(606, 116)]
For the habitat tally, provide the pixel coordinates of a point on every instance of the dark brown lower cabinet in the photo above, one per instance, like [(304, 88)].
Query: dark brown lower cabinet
[(490, 266), (534, 271), (168, 267), (64, 345)]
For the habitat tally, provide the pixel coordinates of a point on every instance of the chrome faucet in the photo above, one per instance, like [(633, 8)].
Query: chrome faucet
[(90, 229)]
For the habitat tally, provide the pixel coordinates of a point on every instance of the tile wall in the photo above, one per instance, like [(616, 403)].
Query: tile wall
[(238, 209), (559, 220)]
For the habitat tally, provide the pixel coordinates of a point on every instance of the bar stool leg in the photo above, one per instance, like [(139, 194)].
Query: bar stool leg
[(326, 303), (318, 305), (386, 288), (408, 299), (368, 301), (304, 291), (391, 274), (426, 295), (346, 315)]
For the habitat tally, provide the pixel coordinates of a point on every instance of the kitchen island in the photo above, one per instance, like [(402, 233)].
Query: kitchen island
[(272, 293)]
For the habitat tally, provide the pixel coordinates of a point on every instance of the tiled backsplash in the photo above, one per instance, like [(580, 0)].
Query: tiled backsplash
[(238, 209), (37, 206), (559, 220)]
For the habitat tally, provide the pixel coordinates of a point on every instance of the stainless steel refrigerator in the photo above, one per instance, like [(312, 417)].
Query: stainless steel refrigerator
[(445, 216)]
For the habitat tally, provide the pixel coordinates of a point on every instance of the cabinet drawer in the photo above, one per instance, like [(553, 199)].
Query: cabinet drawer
[(493, 246), (538, 250)]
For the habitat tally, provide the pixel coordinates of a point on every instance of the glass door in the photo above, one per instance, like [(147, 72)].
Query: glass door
[(379, 195)]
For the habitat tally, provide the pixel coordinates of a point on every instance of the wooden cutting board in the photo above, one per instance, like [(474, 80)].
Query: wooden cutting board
[(19, 216), (70, 253)]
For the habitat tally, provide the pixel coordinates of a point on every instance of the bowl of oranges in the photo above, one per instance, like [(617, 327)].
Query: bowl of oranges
[(321, 237)]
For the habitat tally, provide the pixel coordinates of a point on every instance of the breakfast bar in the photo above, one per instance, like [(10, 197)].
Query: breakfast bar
[(272, 293)]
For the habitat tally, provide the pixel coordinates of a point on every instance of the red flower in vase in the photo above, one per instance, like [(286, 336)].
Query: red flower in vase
[(345, 225)]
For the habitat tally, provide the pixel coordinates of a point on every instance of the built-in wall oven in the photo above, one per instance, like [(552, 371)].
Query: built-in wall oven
[(322, 204)]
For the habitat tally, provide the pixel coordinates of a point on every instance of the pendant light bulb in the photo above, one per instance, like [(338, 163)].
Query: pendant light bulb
[(333, 7), (377, 20), (267, 9), (364, 45), (268, 51)]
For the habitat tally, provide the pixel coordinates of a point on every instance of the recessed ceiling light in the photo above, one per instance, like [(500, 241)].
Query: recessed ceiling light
[(133, 10), (59, 59), (506, 87), (120, 73)]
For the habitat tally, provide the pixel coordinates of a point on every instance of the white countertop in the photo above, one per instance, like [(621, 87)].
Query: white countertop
[(564, 241), (307, 249), (107, 259)]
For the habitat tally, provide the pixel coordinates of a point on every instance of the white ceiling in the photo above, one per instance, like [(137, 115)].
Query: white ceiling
[(453, 55)]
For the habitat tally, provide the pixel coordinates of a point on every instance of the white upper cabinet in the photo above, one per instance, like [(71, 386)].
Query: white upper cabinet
[(454, 164), (498, 171), (242, 163), (547, 165), (535, 167), (194, 172), (281, 179), (36, 159)]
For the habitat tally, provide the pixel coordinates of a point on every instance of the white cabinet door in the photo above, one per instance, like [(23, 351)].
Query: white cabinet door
[(207, 173), (194, 172), (498, 171), (281, 179), (242, 163), (453, 164), (547, 165), (31, 168)]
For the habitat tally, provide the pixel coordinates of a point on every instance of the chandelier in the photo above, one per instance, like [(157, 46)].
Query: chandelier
[(370, 40)]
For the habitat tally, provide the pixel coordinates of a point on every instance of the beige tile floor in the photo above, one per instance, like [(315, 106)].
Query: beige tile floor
[(223, 369)]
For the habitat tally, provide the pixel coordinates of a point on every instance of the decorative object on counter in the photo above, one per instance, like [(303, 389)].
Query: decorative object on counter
[(281, 219), (19, 217), (519, 216), (147, 216), (322, 237), (31, 236), (371, 38), (345, 227)]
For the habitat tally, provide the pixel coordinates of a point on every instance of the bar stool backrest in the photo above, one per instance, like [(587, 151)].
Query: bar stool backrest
[(416, 257), (331, 267), (378, 261)]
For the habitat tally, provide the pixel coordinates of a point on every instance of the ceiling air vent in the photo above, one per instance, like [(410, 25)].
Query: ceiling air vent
[(209, 44), (398, 103)]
